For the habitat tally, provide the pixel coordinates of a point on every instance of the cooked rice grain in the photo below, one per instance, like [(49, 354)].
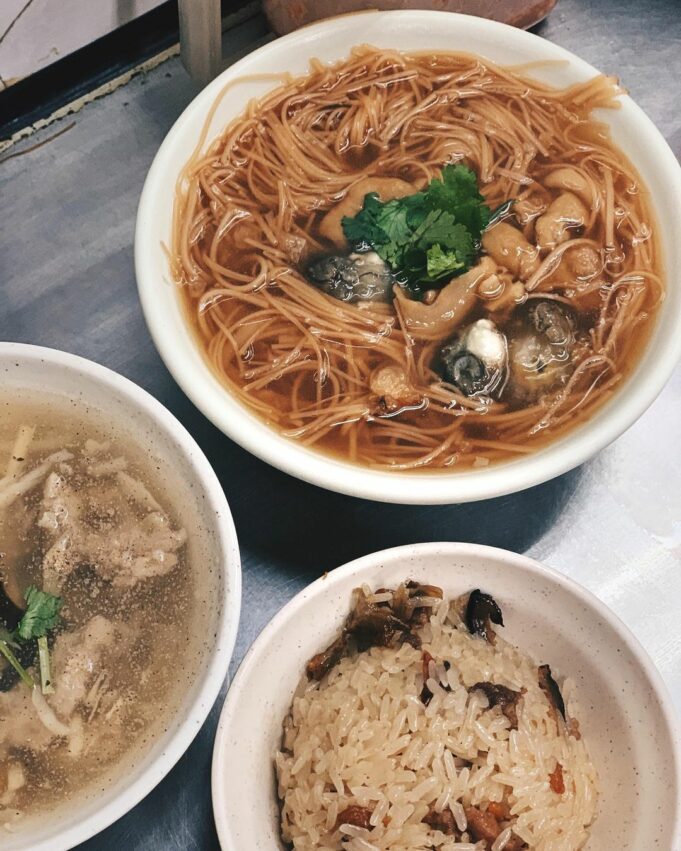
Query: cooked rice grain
[(362, 737)]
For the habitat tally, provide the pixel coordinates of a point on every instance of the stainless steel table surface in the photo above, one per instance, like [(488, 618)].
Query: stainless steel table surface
[(67, 281)]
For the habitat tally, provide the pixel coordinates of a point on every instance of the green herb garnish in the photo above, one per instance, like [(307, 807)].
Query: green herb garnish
[(427, 236), (45, 667), (7, 642), (41, 615)]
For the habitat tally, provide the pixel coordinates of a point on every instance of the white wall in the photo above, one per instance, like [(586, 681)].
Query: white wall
[(35, 33)]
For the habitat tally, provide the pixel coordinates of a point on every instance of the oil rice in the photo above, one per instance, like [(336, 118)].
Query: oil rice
[(362, 736)]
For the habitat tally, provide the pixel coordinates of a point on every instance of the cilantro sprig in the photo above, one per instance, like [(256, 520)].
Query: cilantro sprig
[(41, 616), (429, 235)]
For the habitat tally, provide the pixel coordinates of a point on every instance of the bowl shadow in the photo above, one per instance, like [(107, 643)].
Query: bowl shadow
[(304, 529)]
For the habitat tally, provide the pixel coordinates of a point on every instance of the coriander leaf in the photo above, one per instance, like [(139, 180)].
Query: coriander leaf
[(457, 193), (439, 262), (417, 209), (414, 264), (459, 179), (392, 220), (429, 235), (435, 227), (459, 239), (440, 228), (363, 227), (8, 638), (41, 615), (392, 253)]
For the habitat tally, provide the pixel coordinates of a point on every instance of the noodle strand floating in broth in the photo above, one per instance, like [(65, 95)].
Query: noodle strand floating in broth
[(398, 381)]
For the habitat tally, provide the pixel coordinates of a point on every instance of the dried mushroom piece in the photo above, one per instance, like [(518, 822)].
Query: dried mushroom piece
[(500, 810), (426, 694), (482, 825), (556, 703), (321, 664), (378, 624), (482, 610), (550, 687), (505, 698), (408, 605), (515, 843)]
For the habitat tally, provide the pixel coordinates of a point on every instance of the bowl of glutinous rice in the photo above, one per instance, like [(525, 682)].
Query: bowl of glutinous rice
[(450, 697)]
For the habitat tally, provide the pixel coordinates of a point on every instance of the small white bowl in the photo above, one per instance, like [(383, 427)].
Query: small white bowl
[(195, 495), (409, 31), (627, 716)]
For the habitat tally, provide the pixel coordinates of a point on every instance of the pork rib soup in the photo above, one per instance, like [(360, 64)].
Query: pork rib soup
[(96, 597), (418, 262)]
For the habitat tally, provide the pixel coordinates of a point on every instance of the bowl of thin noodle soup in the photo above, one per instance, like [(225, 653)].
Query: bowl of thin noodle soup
[(414, 257)]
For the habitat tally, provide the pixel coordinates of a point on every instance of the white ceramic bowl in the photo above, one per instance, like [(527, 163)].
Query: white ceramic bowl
[(194, 493), (627, 716), (405, 30)]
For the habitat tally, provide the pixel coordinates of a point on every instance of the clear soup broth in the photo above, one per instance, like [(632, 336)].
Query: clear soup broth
[(84, 518)]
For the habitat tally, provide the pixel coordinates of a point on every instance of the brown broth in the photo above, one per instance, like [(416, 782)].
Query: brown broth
[(275, 247)]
